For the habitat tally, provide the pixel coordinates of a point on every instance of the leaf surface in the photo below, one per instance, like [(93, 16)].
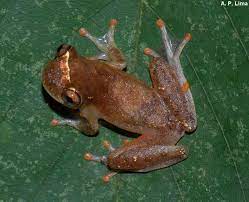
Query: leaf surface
[(42, 163)]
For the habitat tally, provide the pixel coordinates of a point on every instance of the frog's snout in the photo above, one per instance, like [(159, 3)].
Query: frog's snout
[(62, 49)]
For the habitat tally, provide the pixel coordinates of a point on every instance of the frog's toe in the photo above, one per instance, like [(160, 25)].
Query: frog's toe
[(106, 178), (99, 42), (61, 122), (65, 122), (83, 32), (108, 145), (55, 122), (104, 42), (166, 39), (102, 159), (180, 47), (110, 34), (173, 48), (92, 157), (113, 22), (150, 52)]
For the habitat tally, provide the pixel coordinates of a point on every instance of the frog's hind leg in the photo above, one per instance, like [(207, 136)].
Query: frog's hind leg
[(168, 79), (146, 153), (106, 44)]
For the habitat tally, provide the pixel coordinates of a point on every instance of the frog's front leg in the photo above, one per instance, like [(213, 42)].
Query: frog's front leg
[(146, 153), (86, 123), (106, 44)]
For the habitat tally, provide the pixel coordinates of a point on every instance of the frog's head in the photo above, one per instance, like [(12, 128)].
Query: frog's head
[(56, 77)]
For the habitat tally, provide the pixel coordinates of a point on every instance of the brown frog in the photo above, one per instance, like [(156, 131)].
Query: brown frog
[(99, 89)]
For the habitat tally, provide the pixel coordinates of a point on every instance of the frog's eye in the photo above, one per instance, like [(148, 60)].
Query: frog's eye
[(71, 98)]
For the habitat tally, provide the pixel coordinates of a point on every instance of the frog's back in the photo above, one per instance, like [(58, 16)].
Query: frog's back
[(127, 102)]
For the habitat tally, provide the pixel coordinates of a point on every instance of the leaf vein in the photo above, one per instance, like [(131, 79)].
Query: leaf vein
[(220, 126), (235, 29)]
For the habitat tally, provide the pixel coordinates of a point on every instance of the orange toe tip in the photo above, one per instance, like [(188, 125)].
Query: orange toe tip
[(185, 86), (83, 32), (160, 23), (55, 122), (106, 144), (88, 156), (188, 36), (106, 178), (113, 22), (147, 51)]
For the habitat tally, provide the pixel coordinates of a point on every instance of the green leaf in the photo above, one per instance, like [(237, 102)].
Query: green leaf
[(42, 163)]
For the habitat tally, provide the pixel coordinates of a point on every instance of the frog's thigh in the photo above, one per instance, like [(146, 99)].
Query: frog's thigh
[(145, 157)]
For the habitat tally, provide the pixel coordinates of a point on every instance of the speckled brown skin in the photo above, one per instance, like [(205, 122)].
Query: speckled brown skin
[(114, 95), (164, 79), (161, 113)]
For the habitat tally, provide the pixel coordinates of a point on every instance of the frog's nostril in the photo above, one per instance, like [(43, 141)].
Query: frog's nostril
[(62, 49)]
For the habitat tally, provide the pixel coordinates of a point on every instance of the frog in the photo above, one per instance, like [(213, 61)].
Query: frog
[(99, 88)]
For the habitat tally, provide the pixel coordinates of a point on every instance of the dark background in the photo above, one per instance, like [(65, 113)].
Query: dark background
[(42, 163)]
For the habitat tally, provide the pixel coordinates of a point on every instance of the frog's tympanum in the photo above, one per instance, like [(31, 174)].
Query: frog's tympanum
[(98, 88)]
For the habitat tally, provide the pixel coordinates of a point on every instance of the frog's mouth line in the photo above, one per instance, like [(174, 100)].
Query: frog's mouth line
[(62, 49)]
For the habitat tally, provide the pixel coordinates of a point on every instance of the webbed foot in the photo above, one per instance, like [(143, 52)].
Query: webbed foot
[(106, 44)]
